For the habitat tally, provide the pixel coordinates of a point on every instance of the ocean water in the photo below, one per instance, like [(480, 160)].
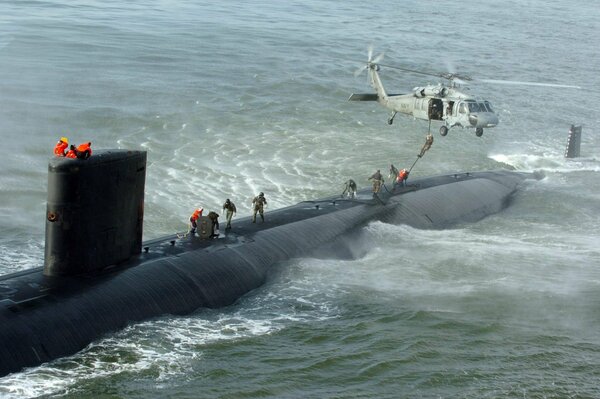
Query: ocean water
[(232, 98)]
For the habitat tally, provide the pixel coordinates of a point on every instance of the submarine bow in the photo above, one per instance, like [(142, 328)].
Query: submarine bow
[(55, 311)]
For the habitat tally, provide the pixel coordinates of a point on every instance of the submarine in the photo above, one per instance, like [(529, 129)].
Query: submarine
[(99, 276)]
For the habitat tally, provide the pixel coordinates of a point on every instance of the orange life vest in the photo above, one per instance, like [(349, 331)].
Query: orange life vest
[(59, 148), (85, 147), (197, 213), (402, 175), (71, 154)]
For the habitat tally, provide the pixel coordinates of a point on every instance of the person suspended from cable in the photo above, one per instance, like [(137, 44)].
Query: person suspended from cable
[(427, 145)]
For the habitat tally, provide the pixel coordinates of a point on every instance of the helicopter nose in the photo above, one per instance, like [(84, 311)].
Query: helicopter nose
[(485, 119)]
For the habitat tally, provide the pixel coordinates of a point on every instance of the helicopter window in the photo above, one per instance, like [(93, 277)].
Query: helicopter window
[(463, 108), (482, 107), (473, 107), (489, 106)]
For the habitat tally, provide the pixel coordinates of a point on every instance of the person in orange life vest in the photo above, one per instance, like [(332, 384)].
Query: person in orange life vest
[(194, 220), (402, 176), (61, 146), (72, 153), (84, 151)]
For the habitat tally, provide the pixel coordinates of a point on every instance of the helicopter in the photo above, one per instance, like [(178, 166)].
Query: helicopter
[(439, 102)]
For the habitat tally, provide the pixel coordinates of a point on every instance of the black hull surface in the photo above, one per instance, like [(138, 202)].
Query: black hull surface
[(46, 317)]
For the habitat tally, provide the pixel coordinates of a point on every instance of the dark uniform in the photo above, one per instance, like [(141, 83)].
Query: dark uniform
[(350, 188), (214, 218), (258, 206), (231, 210), (427, 145), (377, 181), (393, 172)]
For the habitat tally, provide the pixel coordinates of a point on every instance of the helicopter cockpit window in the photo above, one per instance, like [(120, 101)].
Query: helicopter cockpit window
[(485, 107), (489, 106), (474, 107)]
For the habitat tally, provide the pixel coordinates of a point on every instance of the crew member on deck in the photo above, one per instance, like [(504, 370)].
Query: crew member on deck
[(61, 146), (377, 181), (402, 176), (258, 204), (214, 217), (393, 172), (350, 189), (194, 221), (231, 210)]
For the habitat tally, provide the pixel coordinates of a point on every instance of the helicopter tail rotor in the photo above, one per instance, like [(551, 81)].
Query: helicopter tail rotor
[(371, 62)]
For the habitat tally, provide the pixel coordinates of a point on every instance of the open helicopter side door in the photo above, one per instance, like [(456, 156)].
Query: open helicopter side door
[(435, 111)]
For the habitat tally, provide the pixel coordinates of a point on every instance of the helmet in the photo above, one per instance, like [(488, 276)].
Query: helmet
[(261, 194), (227, 200), (199, 210), (64, 140)]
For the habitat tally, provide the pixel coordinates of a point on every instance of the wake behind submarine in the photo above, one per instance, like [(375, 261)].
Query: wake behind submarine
[(98, 275)]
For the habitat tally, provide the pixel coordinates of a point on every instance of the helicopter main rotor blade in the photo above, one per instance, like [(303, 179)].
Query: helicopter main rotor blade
[(412, 70), (517, 82), (455, 77)]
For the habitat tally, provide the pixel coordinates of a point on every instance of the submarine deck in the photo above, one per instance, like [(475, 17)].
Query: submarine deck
[(24, 288)]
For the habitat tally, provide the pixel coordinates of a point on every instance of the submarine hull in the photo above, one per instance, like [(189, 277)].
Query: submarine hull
[(47, 317)]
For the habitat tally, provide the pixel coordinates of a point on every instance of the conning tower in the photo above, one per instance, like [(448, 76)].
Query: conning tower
[(95, 210)]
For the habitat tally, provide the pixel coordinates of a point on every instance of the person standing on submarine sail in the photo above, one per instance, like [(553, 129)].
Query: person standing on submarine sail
[(61, 146)]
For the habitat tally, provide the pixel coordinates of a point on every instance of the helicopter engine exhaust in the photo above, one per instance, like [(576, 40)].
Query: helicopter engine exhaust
[(438, 91)]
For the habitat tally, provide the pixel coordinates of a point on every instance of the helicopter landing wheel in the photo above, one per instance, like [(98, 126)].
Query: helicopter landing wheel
[(390, 121), (479, 132), (443, 130)]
